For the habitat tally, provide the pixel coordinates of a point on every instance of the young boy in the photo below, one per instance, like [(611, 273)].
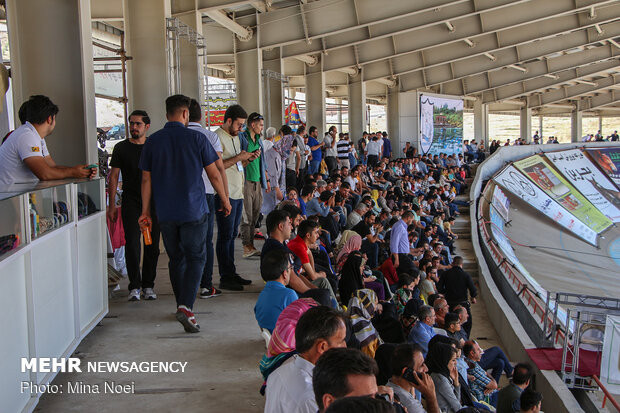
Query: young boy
[(407, 284), (275, 268)]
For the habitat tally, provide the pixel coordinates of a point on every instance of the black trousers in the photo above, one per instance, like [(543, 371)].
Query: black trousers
[(291, 179), (373, 160), (332, 163), (131, 209)]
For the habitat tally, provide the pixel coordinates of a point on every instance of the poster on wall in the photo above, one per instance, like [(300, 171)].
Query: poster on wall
[(441, 125), (608, 159), (586, 177), (557, 187), (501, 202), (610, 359), (514, 181)]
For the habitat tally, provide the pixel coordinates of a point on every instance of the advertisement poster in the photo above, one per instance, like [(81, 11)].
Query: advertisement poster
[(589, 180), (610, 361), (608, 159), (443, 128), (501, 202), (553, 184), (514, 181)]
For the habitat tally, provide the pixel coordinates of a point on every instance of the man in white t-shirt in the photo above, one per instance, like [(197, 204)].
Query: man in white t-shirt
[(24, 156), (330, 149)]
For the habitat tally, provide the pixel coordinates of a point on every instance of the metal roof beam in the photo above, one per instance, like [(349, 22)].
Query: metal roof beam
[(599, 101), (572, 92)]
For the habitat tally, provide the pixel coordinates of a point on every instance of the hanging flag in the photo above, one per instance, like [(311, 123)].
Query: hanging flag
[(291, 116)]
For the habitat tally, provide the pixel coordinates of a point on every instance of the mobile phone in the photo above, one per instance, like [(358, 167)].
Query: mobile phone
[(92, 165), (411, 376)]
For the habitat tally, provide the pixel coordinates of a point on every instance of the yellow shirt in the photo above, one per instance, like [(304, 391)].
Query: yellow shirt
[(231, 146)]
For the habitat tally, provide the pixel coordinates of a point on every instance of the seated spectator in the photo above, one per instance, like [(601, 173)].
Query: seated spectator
[(441, 309), (452, 326), (495, 359), (369, 231), (343, 372), (279, 229), (276, 270), (353, 243), (352, 278), (360, 404), (530, 401), (409, 375), (441, 363), (481, 383), (404, 293), (389, 273), (422, 331), (508, 398), (289, 387), (356, 215), (363, 306)]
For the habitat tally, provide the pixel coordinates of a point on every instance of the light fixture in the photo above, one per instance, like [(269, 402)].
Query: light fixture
[(552, 76), (615, 43), (585, 82), (592, 14), (598, 29), (519, 68), (490, 56), (450, 26), (469, 42)]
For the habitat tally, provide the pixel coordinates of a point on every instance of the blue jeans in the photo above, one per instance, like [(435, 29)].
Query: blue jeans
[(371, 249), (186, 247), (207, 274), (227, 231), (313, 167), (494, 358)]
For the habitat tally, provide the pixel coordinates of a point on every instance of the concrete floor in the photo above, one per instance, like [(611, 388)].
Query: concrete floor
[(222, 371)]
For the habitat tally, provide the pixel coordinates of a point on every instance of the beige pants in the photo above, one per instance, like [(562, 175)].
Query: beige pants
[(252, 201)]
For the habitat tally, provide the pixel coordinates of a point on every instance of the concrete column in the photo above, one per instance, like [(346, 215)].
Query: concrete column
[(357, 107), (540, 126), (273, 90), (339, 103), (525, 120), (575, 125), (393, 122), (600, 124), (51, 54), (315, 98), (481, 123), (192, 67), (145, 34), (249, 81)]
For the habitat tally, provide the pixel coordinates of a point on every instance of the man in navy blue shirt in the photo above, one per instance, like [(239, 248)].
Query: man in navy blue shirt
[(172, 162), (315, 148)]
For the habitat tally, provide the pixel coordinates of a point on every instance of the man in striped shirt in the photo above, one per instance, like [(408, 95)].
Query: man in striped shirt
[(343, 147)]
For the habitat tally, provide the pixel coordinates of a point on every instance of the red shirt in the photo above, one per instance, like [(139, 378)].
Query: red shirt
[(389, 272), (298, 247)]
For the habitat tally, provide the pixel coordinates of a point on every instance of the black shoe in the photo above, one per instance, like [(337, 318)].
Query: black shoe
[(230, 284), (241, 280)]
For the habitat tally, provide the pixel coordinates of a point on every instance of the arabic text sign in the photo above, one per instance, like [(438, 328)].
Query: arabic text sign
[(586, 177), (514, 181), (539, 171)]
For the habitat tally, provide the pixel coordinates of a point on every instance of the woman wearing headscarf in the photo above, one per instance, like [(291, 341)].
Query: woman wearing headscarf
[(354, 243), (352, 279), (362, 308), (441, 363)]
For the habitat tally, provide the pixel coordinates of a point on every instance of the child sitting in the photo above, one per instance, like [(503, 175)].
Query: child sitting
[(275, 268), (404, 293)]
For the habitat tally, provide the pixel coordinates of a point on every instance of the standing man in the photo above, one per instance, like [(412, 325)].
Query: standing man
[(454, 284), (302, 138), (400, 247), (207, 290), (344, 149), (235, 160), (293, 162), (24, 156), (315, 148), (125, 159), (172, 162), (330, 151), (387, 146), (255, 182)]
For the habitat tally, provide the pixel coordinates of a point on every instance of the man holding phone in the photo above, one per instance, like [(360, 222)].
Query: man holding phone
[(409, 375)]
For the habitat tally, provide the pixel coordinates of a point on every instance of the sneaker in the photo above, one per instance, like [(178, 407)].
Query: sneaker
[(241, 280), (149, 294), (187, 319), (209, 292), (134, 295), (255, 253), (249, 252), (259, 235), (230, 284)]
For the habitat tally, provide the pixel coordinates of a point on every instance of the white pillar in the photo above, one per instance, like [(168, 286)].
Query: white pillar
[(481, 123), (357, 107), (52, 55), (576, 125), (273, 90), (393, 122), (145, 28), (315, 97), (249, 80), (191, 65), (525, 121)]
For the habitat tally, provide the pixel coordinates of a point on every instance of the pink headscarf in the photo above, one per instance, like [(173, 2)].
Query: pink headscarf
[(283, 337), (353, 244)]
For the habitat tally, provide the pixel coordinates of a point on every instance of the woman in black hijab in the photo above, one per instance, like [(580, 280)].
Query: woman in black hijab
[(441, 363), (351, 276)]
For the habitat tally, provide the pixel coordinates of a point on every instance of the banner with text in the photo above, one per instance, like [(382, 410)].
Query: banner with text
[(501, 202), (553, 184), (609, 161), (441, 125), (586, 177), (514, 181)]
